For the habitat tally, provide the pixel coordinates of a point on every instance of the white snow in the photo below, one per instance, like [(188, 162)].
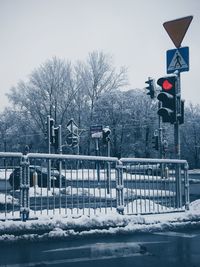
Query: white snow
[(57, 226), (8, 199), (97, 192), (5, 174)]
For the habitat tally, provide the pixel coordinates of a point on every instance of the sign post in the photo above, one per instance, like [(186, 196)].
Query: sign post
[(177, 62), (96, 132)]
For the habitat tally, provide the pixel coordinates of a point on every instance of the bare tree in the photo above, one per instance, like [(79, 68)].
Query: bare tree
[(50, 90), (98, 76)]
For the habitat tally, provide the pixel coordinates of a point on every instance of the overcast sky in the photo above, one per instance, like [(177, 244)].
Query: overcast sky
[(32, 31)]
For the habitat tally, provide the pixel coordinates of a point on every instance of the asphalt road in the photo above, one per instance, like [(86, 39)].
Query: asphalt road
[(179, 249)]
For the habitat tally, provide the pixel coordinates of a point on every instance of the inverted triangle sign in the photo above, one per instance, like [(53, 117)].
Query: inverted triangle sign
[(177, 29)]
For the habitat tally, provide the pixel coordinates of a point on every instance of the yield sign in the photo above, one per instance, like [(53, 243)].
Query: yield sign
[(177, 29)]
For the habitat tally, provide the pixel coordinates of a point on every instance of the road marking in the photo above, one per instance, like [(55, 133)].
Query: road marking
[(106, 245), (176, 234), (98, 251)]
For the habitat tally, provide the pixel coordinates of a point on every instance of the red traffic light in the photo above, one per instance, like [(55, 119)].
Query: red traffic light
[(166, 85)]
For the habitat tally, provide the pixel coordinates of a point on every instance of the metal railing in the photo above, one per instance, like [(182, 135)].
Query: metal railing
[(10, 201), (155, 185), (84, 185)]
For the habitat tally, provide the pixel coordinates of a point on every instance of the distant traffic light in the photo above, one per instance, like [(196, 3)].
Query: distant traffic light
[(167, 96), (106, 133), (155, 144), (52, 132), (151, 87), (56, 138)]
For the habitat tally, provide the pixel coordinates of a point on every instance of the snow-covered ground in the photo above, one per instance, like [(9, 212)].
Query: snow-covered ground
[(110, 223)]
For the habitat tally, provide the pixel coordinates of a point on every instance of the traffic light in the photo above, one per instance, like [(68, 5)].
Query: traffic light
[(151, 87), (56, 138), (106, 133), (167, 96), (52, 132), (155, 142)]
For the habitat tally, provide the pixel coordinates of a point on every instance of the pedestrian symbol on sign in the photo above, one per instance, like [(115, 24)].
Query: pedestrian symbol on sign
[(178, 60)]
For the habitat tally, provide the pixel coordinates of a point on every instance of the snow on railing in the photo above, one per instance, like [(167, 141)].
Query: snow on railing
[(84, 185)]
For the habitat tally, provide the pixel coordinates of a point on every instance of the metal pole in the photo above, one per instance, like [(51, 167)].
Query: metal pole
[(60, 139), (49, 151), (97, 163), (108, 167), (160, 141), (178, 114), (60, 163), (177, 143)]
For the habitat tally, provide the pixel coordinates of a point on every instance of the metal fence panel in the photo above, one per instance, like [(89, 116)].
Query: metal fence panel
[(10, 203), (84, 185), (155, 185), (80, 185)]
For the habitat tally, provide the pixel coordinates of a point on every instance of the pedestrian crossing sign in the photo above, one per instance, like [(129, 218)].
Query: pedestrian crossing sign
[(178, 59)]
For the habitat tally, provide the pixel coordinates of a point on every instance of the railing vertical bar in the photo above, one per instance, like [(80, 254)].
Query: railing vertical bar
[(99, 186), (41, 200), (93, 169), (83, 189), (149, 191), (174, 184), (89, 202), (77, 189), (54, 195), (105, 187), (126, 196), (72, 201), (60, 183), (140, 181), (5, 189), (66, 192), (144, 190), (12, 185), (111, 187), (130, 179), (136, 192)]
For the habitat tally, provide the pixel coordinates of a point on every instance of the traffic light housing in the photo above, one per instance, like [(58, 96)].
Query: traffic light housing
[(155, 143), (56, 138), (168, 99), (151, 87), (106, 132), (52, 132)]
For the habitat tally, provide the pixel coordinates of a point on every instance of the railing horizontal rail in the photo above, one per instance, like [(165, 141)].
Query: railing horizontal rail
[(148, 160), (10, 155), (72, 157)]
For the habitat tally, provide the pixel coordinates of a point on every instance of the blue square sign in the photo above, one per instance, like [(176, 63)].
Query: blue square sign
[(178, 59)]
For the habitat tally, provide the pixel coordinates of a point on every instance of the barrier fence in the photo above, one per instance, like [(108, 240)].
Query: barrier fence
[(36, 184)]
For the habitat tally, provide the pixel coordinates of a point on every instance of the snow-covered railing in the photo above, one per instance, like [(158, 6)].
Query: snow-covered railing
[(39, 184), (9, 199), (155, 185)]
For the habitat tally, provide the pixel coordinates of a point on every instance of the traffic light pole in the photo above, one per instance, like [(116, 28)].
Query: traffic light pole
[(177, 143), (176, 124), (49, 151), (160, 134)]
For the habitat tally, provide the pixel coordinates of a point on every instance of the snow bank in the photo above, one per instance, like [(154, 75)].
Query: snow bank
[(48, 227)]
